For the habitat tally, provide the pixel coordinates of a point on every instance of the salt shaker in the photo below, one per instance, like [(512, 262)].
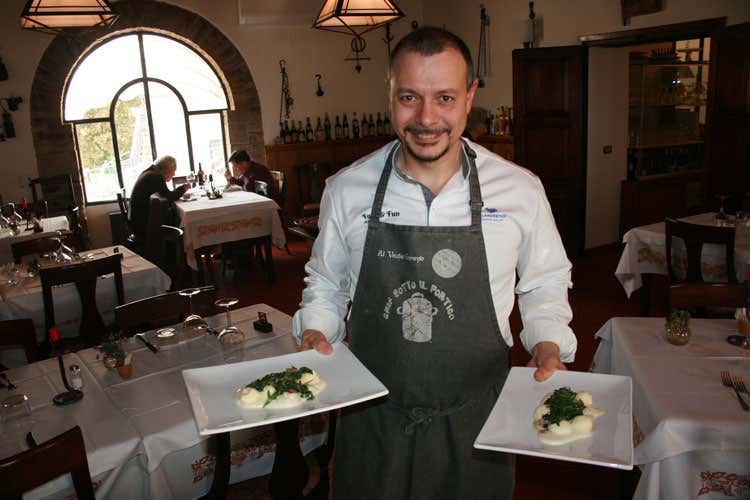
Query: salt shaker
[(76, 379)]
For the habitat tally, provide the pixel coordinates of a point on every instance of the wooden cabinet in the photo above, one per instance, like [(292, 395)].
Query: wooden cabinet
[(285, 157), (498, 144)]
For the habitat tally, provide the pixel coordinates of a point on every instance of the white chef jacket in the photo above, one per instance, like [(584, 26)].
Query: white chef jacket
[(519, 235)]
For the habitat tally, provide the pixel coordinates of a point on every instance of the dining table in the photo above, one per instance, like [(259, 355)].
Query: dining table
[(141, 438), (645, 254), (141, 279), (50, 227), (237, 215), (690, 434)]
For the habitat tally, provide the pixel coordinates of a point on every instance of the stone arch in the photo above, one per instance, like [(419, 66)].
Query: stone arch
[(53, 140)]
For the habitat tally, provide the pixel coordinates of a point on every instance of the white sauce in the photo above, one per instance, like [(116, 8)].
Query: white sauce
[(567, 431), (247, 397)]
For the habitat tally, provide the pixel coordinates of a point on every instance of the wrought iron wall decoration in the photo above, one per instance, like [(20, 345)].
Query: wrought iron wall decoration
[(483, 57), (287, 102), (9, 131), (320, 91), (358, 45)]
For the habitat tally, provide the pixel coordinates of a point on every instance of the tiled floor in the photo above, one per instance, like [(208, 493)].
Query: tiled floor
[(596, 296)]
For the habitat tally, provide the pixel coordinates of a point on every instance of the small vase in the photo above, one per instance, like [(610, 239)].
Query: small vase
[(678, 334), (125, 371)]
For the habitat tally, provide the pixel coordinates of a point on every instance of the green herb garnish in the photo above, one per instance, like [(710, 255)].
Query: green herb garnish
[(283, 382), (563, 405)]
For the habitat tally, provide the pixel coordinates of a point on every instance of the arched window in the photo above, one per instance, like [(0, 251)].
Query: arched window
[(138, 96)]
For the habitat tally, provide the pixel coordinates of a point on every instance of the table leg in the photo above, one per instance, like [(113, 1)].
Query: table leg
[(222, 468), (289, 474), (269, 259)]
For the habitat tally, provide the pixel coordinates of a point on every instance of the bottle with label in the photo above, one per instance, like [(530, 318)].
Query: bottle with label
[(191, 175), (293, 138), (379, 125), (201, 175), (280, 139), (309, 135), (366, 132), (327, 127), (288, 139), (338, 130), (320, 134), (355, 126), (345, 128), (387, 124), (372, 124), (210, 187), (300, 132)]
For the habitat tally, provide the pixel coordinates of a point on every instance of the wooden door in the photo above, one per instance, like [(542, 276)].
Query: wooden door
[(728, 145), (549, 97)]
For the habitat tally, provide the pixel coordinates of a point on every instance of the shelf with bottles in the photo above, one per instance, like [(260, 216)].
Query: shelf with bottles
[(649, 160), (326, 129)]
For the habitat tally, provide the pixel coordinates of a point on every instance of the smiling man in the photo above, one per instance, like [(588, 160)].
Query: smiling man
[(426, 236)]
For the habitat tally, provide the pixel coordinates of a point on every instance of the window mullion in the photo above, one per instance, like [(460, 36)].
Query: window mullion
[(147, 95)]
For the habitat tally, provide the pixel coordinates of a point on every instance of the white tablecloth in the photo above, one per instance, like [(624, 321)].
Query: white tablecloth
[(168, 459), (141, 279), (49, 227), (238, 215), (692, 438), (645, 253)]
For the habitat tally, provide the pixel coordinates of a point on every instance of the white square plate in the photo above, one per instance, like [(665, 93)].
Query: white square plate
[(212, 389), (509, 427)]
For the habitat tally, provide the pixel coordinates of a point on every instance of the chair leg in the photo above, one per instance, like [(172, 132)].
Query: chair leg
[(222, 470), (269, 259)]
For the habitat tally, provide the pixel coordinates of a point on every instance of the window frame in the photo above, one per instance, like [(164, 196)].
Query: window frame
[(144, 80)]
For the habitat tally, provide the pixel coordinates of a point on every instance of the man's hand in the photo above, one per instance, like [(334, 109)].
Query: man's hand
[(314, 339), (545, 357), (227, 174)]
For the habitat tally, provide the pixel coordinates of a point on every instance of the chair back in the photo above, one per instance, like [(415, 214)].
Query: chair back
[(178, 181), (695, 236), (56, 190), (84, 275), (172, 259), (698, 296), (260, 187), (280, 180), (34, 467), (158, 215), (19, 333), (311, 179), (74, 222), (37, 246), (162, 310)]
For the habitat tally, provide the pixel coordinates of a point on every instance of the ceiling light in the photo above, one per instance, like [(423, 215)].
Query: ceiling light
[(355, 17), (55, 15)]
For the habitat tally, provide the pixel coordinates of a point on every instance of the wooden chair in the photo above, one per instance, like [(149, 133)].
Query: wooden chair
[(172, 258), (126, 237), (76, 227), (37, 246), (162, 310), (34, 467), (57, 191), (158, 215), (311, 179), (693, 291), (16, 333), (85, 276)]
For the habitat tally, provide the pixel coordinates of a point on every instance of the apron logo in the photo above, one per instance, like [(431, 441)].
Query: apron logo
[(416, 310), (489, 213), (446, 263), (390, 254), (384, 214)]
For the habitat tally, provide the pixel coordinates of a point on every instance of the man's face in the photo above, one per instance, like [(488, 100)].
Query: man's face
[(429, 102), (169, 172), (239, 167)]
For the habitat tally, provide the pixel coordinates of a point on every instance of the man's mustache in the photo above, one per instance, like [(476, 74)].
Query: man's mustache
[(416, 129)]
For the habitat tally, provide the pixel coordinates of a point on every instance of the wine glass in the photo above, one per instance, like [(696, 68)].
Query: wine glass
[(193, 321), (721, 216), (229, 329)]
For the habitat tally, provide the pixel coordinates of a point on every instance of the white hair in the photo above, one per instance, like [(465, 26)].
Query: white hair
[(164, 162)]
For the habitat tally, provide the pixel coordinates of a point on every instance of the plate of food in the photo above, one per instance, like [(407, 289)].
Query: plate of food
[(264, 391), (573, 416)]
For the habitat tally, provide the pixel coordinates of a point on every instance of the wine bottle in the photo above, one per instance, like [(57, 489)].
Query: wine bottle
[(201, 175), (327, 127), (372, 125), (282, 133), (300, 132), (366, 132), (387, 124), (338, 130), (320, 134), (379, 125), (355, 126), (288, 136), (345, 128), (309, 136)]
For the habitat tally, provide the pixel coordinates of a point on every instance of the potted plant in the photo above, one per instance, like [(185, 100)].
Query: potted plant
[(115, 358), (677, 327)]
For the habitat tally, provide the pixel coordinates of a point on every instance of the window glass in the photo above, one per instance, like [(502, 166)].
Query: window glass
[(170, 133), (97, 161), (179, 65), (208, 146), (99, 76), (133, 138)]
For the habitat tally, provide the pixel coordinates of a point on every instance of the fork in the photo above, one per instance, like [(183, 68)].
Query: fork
[(726, 379), (739, 383)]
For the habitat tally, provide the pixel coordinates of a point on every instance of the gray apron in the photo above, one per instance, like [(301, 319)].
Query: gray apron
[(423, 321)]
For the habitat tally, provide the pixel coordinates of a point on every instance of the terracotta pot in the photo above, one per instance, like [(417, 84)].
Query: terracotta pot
[(744, 327), (125, 371)]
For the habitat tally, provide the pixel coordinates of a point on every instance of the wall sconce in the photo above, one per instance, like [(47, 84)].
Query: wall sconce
[(8, 130)]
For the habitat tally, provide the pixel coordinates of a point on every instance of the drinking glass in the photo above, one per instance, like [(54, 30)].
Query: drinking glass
[(15, 412), (721, 216), (231, 338), (193, 321)]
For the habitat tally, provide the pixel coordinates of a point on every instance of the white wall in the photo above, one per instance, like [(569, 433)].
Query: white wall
[(563, 22)]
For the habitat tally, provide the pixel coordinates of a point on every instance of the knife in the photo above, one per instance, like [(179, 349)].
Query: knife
[(148, 344)]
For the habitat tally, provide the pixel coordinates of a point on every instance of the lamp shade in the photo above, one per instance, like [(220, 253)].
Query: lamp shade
[(58, 14), (355, 17)]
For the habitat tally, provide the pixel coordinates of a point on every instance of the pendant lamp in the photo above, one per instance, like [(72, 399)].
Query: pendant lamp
[(355, 17), (56, 15)]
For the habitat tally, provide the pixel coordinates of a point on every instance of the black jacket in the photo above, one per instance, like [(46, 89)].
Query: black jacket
[(149, 182)]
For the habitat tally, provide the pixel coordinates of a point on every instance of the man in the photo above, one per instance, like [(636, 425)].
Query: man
[(476, 124), (427, 235), (152, 180), (249, 172)]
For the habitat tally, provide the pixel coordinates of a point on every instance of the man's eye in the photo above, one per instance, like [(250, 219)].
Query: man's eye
[(407, 98), (446, 98)]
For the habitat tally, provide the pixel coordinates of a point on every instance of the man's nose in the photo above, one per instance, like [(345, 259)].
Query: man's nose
[(427, 114)]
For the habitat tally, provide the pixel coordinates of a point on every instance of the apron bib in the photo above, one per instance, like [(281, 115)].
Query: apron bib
[(423, 321)]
